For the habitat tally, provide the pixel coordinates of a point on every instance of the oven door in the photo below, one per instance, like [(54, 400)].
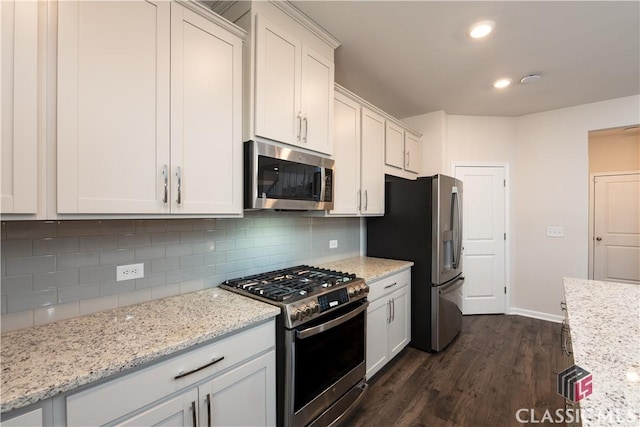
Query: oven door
[(325, 359)]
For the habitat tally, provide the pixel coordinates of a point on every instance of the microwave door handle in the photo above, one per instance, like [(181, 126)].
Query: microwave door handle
[(306, 333)]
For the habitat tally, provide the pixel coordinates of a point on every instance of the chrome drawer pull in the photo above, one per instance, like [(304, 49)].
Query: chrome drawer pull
[(391, 285), (213, 362)]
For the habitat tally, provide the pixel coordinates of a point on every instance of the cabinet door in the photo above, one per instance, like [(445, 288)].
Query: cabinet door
[(244, 396), (30, 419), (317, 101), (176, 412), (113, 106), (411, 153), (277, 89), (394, 145), (400, 326), (378, 314), (372, 149), (19, 24), (346, 131), (206, 116)]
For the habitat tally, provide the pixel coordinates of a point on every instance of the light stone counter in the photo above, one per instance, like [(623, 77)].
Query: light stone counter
[(369, 268), (604, 320), (43, 361)]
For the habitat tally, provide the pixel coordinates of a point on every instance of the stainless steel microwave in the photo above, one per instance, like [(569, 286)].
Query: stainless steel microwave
[(285, 178)]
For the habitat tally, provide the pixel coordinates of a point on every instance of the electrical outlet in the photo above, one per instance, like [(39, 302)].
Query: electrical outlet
[(130, 271), (555, 231), (333, 244)]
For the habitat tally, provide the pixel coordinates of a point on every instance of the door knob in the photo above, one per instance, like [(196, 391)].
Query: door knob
[(598, 238)]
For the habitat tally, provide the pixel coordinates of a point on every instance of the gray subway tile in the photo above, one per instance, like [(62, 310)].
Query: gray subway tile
[(204, 224), (165, 264), (112, 287), (16, 248), (215, 235), (176, 276), (31, 300), (225, 245), (16, 284), (150, 225), (214, 258), (191, 236), (134, 297), (117, 256), (203, 247), (78, 228), (165, 291), (191, 286), (204, 271), (151, 280), (98, 243), (97, 274), (78, 260), (117, 226), (253, 232), (31, 229), (179, 250), (55, 245), (77, 293), (149, 252), (56, 279), (29, 265), (134, 240), (170, 238), (179, 225), (191, 261), (3, 267), (3, 310)]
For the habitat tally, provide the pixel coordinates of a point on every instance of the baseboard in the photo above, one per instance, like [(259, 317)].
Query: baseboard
[(536, 314)]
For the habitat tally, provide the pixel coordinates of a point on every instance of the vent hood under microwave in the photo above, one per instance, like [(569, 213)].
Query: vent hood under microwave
[(276, 177)]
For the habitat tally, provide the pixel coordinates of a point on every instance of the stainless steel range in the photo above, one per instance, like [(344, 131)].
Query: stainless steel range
[(320, 340)]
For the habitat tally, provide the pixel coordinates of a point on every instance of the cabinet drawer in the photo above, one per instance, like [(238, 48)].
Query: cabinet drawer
[(388, 284), (123, 395)]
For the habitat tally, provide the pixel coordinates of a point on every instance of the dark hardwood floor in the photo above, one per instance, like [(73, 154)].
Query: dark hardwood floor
[(497, 365)]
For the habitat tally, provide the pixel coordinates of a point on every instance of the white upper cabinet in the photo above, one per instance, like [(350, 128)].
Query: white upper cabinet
[(149, 110), (294, 81), (113, 106), (206, 116), (20, 106), (373, 133), (401, 151)]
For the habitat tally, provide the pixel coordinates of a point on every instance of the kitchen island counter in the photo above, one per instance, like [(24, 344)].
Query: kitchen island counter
[(369, 268), (604, 319), (43, 361)]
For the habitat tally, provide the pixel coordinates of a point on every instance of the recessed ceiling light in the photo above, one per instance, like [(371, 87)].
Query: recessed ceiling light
[(481, 29), (502, 83), (530, 78)]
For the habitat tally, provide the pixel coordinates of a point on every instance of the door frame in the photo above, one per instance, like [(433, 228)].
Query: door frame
[(507, 221), (592, 215)]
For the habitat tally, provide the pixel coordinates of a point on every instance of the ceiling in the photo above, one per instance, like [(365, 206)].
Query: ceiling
[(414, 57)]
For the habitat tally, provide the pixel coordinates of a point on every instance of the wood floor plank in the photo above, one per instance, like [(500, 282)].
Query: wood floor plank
[(497, 365)]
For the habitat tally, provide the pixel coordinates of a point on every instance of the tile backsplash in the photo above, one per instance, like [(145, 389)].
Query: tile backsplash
[(52, 270)]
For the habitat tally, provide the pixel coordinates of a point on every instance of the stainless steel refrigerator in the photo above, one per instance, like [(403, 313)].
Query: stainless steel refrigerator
[(423, 223)]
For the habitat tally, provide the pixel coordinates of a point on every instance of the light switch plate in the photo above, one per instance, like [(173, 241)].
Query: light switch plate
[(555, 231)]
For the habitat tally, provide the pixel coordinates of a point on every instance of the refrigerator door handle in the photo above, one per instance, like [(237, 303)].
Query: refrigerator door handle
[(457, 252), (448, 286)]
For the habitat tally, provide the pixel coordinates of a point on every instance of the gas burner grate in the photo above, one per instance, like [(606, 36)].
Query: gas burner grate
[(281, 285)]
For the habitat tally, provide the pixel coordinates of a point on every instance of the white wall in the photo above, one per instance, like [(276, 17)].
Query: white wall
[(549, 185), (551, 180)]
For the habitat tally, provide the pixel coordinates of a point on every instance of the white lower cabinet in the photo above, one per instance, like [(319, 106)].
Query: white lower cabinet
[(230, 382), (32, 418), (388, 319)]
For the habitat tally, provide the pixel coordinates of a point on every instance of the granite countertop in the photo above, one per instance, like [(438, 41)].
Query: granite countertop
[(43, 361), (604, 320), (369, 268)]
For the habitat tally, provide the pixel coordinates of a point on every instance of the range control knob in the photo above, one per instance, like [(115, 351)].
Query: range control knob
[(352, 291), (314, 307), (295, 314), (307, 310)]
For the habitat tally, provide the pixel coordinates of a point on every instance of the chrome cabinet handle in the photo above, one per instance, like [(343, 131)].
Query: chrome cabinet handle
[(366, 200), (388, 312), (165, 179), (179, 176), (208, 410), (193, 371), (564, 340), (408, 158), (299, 119), (391, 285), (193, 413), (393, 309), (563, 306), (306, 129)]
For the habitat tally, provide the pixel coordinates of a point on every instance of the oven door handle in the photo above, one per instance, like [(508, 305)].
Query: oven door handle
[(306, 333)]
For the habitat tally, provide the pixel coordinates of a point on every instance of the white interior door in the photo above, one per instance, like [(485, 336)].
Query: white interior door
[(483, 234), (616, 249)]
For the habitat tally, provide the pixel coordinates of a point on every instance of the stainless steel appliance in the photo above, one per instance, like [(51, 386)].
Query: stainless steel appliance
[(320, 341), (277, 177), (423, 224)]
